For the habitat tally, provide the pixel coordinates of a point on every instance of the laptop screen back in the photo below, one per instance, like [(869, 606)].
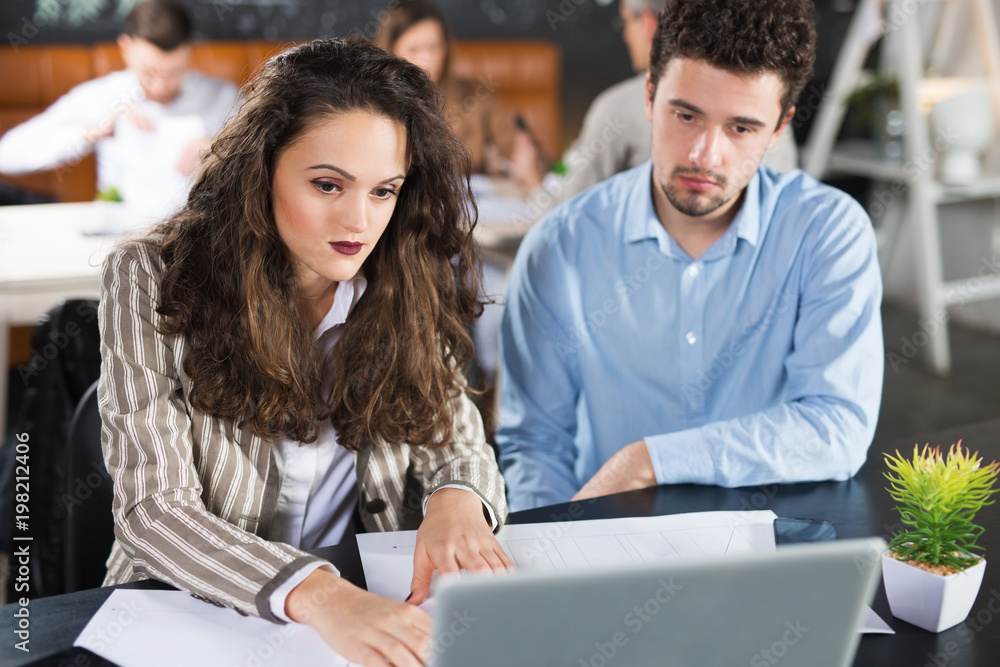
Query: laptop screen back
[(800, 606)]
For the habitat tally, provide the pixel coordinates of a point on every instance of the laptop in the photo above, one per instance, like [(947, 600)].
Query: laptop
[(799, 606)]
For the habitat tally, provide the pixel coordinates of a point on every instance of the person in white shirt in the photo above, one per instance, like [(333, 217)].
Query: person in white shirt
[(148, 124)]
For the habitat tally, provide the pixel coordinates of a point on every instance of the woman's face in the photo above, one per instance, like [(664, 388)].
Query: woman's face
[(423, 44), (334, 191)]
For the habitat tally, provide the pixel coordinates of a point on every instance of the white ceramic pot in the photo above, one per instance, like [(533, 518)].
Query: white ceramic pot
[(930, 601), (963, 128)]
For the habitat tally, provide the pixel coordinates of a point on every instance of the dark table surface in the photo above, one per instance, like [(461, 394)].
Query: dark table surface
[(859, 507)]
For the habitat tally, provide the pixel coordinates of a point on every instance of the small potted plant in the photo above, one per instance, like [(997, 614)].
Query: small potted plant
[(875, 106), (111, 211), (932, 571)]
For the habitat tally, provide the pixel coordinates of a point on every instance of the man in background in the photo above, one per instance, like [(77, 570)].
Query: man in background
[(148, 124), (616, 133)]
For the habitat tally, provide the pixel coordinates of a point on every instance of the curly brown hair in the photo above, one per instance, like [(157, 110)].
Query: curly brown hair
[(228, 283), (740, 36)]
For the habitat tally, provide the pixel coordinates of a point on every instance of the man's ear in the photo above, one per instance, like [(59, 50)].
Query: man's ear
[(789, 115), (650, 91), (125, 46)]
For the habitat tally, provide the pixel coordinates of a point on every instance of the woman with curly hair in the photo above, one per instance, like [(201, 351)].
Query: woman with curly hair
[(281, 358)]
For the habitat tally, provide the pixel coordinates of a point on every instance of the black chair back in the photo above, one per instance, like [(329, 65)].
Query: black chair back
[(87, 496), (65, 362)]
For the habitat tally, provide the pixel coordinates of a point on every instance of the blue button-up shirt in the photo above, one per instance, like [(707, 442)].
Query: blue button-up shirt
[(758, 362)]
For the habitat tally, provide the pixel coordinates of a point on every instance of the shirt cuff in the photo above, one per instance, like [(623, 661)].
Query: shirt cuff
[(683, 457), (489, 510), (277, 600)]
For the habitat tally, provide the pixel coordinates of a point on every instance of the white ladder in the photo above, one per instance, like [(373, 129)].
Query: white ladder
[(923, 192)]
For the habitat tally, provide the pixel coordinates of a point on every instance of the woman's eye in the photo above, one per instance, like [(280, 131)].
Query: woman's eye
[(325, 186), (385, 193)]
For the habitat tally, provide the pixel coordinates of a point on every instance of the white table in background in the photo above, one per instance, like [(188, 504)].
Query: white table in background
[(45, 257)]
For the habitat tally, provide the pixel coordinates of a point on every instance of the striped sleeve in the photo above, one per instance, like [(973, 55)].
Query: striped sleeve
[(468, 461), (160, 519)]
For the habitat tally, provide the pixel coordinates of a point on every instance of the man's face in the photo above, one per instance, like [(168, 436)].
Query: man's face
[(160, 72), (711, 128), (637, 33)]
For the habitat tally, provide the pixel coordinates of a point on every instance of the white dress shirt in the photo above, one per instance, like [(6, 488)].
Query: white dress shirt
[(318, 485), (141, 164)]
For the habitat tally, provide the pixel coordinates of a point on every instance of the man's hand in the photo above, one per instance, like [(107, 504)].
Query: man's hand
[(106, 128), (139, 120), (630, 468), (453, 536), (190, 157)]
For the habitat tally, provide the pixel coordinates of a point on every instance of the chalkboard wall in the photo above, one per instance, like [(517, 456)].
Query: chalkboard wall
[(594, 55)]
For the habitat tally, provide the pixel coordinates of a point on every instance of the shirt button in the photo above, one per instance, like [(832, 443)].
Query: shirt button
[(691, 338), (693, 271), (694, 404)]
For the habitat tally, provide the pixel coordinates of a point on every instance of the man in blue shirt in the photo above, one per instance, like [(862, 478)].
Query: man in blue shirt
[(700, 318)]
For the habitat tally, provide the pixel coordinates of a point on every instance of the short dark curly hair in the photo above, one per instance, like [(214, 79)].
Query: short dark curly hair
[(740, 36)]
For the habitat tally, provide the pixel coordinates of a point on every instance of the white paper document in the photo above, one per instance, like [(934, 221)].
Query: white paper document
[(388, 557), (136, 628), (153, 188), (873, 624), (495, 207)]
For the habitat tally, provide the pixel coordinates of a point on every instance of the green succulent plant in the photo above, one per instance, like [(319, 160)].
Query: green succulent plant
[(938, 498), (109, 193)]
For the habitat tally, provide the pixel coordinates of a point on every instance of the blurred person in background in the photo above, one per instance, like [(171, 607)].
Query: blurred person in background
[(616, 134), (418, 32), (148, 124)]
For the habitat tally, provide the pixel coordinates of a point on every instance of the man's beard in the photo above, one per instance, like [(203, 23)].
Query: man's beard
[(694, 205)]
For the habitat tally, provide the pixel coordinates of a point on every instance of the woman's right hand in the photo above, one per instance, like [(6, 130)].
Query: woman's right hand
[(363, 627), (526, 164)]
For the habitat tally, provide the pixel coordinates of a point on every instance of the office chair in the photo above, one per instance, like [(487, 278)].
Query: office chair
[(88, 495), (65, 361)]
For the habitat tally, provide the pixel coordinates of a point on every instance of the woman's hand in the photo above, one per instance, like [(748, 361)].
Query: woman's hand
[(455, 535), (363, 627), (526, 164)]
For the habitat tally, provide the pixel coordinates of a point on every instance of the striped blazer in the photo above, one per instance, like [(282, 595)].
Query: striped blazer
[(194, 496)]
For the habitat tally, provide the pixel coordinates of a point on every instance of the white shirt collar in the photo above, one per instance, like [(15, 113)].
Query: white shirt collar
[(348, 294)]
